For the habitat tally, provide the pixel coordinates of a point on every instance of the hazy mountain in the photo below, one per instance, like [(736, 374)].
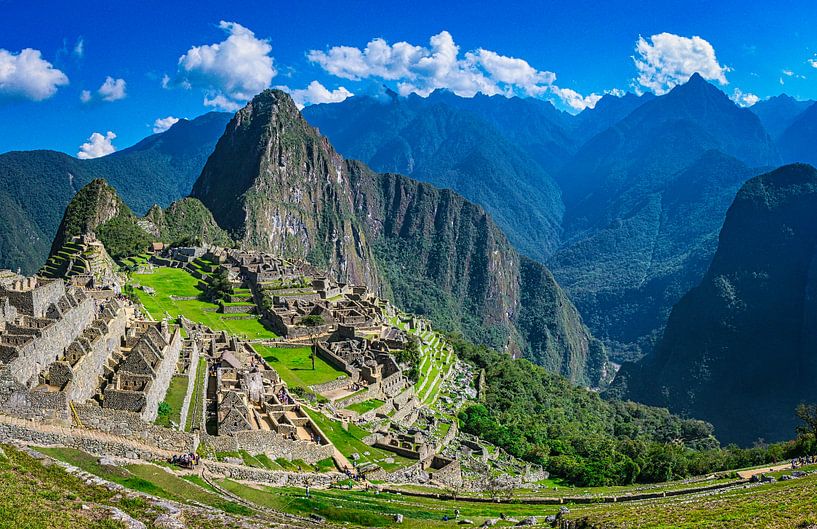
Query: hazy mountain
[(798, 143), (276, 184), (36, 186), (740, 349), (631, 245), (779, 112)]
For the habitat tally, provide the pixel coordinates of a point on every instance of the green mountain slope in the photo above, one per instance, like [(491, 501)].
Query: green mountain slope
[(275, 184), (36, 186), (740, 349)]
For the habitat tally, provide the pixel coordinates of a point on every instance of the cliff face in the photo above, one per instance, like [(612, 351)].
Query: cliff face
[(740, 349), (275, 184)]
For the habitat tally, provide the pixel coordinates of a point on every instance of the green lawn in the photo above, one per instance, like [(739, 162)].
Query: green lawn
[(365, 406), (350, 442), (197, 399), (169, 282), (295, 366), (176, 391)]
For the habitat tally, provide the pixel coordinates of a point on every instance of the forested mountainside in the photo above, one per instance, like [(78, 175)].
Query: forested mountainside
[(277, 185), (36, 186), (740, 349)]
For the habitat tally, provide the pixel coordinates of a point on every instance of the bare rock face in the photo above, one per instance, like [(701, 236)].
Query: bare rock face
[(275, 184)]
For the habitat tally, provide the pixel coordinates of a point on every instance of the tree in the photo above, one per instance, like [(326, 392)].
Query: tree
[(313, 320), (808, 414), (220, 287), (164, 409)]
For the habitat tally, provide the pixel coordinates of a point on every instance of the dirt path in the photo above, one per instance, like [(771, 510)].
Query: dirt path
[(746, 474)]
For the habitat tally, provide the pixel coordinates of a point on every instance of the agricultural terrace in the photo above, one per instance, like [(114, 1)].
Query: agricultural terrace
[(172, 285)]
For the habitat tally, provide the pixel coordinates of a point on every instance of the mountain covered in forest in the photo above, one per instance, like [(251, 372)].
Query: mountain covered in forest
[(740, 349), (275, 184), (36, 186)]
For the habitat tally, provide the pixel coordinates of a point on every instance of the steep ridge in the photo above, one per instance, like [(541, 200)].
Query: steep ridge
[(615, 189), (740, 349), (494, 151), (36, 186), (275, 184)]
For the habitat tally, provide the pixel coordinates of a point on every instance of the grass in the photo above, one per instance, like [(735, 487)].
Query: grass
[(197, 399), (176, 391), (350, 442), (150, 479), (295, 366), (169, 282), (34, 496), (365, 406)]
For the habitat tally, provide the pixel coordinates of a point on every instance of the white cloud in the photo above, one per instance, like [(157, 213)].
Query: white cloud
[(165, 81), (112, 89), (316, 93), (97, 146), (788, 73), (28, 75), (813, 63), (220, 102), (421, 70), (744, 99), (79, 47), (667, 60), (232, 71), (85, 96), (162, 124), (615, 92)]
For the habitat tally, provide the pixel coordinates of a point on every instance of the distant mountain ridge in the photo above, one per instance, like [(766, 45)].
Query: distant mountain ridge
[(740, 349), (277, 185), (36, 186)]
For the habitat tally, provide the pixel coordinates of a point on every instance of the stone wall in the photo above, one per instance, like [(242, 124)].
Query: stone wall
[(272, 477), (46, 349), (85, 381), (92, 442), (268, 442), (18, 400), (164, 373), (130, 425), (35, 302)]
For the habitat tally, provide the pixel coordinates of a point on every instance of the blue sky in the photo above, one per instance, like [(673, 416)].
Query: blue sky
[(99, 68)]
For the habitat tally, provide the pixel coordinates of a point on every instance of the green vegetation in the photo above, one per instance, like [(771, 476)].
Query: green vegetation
[(172, 283), (350, 442), (294, 364), (197, 399), (34, 496), (365, 406), (588, 441), (170, 409), (150, 479)]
